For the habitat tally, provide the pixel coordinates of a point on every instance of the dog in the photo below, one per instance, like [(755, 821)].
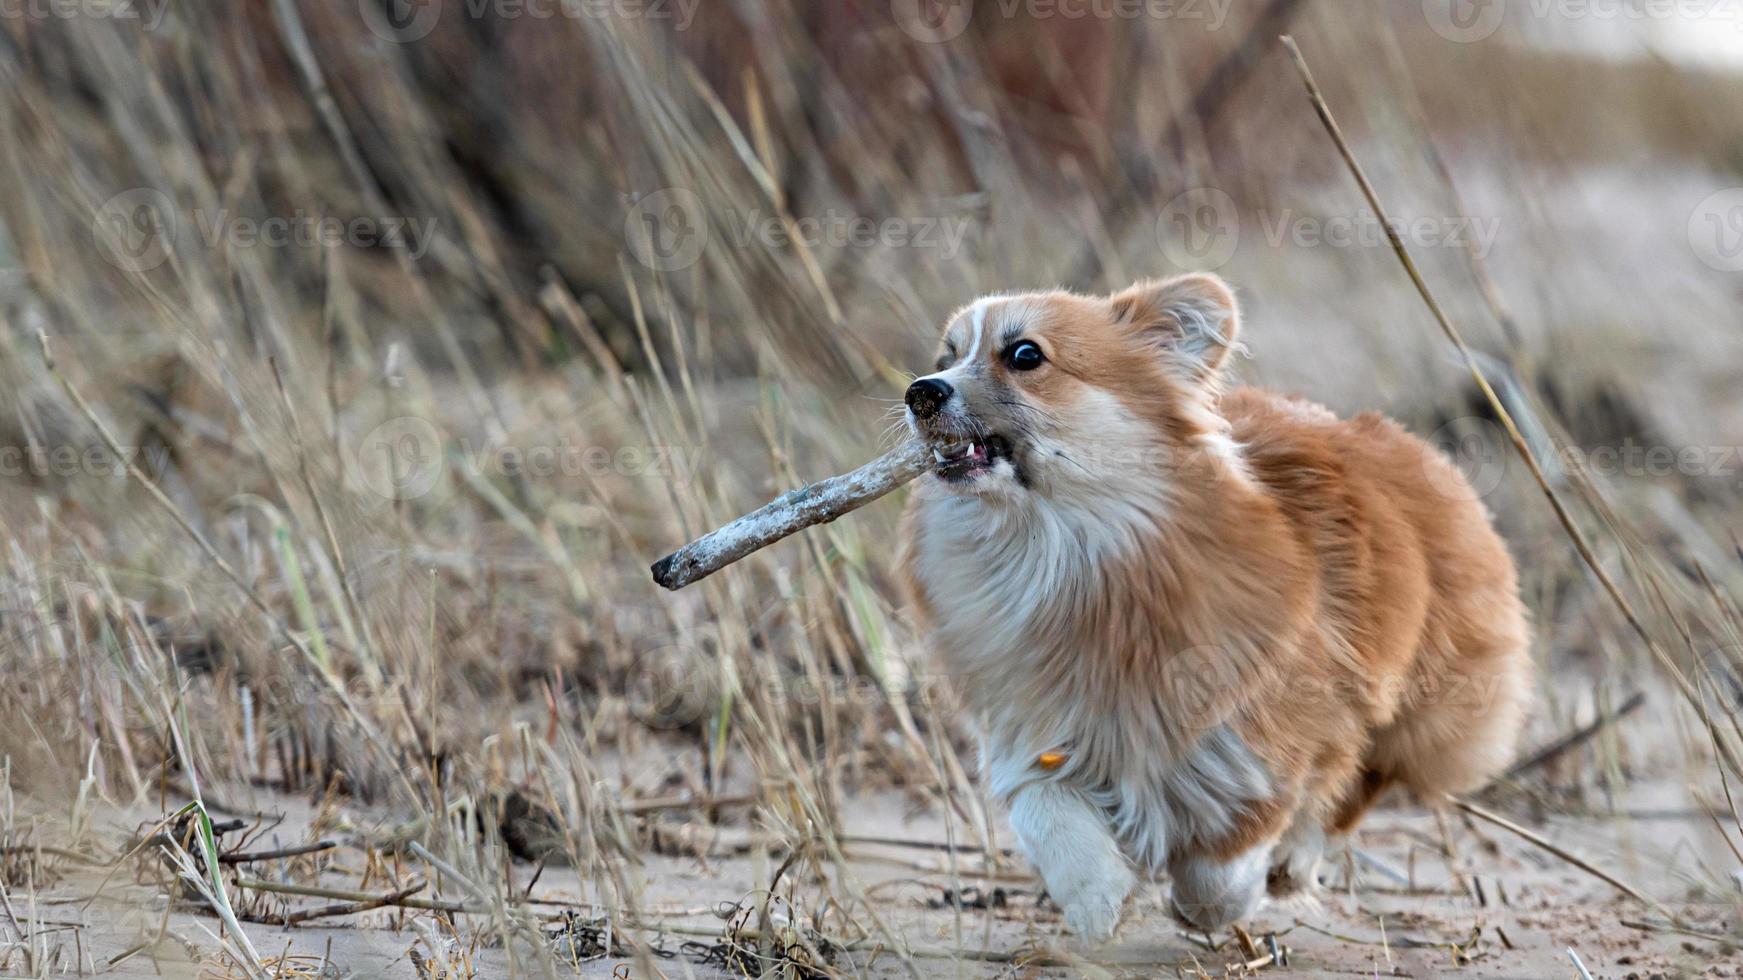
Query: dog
[(1197, 631)]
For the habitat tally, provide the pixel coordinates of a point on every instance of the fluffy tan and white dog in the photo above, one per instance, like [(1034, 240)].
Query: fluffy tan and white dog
[(1198, 632)]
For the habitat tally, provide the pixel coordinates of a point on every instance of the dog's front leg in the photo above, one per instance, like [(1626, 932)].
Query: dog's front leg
[(1070, 841)]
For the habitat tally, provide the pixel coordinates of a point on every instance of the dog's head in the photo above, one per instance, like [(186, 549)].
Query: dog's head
[(1053, 393)]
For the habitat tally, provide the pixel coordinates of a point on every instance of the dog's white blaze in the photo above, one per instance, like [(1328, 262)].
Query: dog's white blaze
[(978, 323), (953, 373)]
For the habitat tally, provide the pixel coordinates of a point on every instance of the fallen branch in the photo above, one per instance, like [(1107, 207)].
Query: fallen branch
[(394, 899), (817, 503), (244, 857), (352, 908), (1576, 738), (1568, 856)]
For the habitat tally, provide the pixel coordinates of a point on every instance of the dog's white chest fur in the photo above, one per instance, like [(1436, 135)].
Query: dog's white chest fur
[(1010, 584)]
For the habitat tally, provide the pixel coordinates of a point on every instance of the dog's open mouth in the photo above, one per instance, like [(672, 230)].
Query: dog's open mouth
[(964, 459)]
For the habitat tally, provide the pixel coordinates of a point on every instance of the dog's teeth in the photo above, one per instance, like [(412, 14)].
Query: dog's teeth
[(937, 454)]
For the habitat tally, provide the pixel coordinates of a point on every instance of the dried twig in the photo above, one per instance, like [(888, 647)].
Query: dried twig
[(817, 503), (243, 857), (347, 895), (1566, 855), (1575, 738), (352, 908), (1715, 937)]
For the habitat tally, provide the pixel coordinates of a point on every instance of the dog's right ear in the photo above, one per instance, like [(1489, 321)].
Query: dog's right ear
[(1193, 320)]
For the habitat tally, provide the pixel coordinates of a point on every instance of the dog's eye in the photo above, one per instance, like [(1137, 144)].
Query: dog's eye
[(943, 362), (1024, 356)]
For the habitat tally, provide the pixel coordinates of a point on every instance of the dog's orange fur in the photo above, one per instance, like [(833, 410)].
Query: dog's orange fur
[(1331, 591)]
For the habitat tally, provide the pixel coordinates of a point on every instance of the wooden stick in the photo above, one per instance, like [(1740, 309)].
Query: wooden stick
[(1576, 738), (244, 857), (403, 901), (352, 908), (817, 503), (1566, 855)]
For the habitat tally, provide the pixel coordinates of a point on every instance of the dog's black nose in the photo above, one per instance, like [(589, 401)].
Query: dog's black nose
[(927, 395)]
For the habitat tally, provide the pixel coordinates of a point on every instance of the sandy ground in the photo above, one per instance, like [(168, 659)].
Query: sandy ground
[(1496, 907)]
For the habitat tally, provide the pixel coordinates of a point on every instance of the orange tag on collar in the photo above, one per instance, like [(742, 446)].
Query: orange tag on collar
[(1051, 760)]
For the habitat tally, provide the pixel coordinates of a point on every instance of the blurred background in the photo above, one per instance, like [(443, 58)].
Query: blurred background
[(392, 339)]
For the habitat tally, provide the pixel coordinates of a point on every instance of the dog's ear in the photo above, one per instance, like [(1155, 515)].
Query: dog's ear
[(1192, 319)]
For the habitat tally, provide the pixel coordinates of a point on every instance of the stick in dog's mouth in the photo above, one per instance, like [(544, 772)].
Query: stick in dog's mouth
[(960, 459), (817, 503)]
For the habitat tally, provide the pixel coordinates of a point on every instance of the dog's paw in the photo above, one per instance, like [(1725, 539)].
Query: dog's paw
[(1094, 919), (1300, 903), (1092, 904)]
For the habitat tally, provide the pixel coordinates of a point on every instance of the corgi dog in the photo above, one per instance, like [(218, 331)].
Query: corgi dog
[(1197, 631)]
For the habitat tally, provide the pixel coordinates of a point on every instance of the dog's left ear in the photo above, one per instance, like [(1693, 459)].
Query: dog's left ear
[(1193, 319)]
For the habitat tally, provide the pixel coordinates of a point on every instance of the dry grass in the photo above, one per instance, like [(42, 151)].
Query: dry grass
[(379, 567)]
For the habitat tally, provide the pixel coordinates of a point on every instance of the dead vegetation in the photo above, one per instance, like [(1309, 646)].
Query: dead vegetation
[(324, 608)]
